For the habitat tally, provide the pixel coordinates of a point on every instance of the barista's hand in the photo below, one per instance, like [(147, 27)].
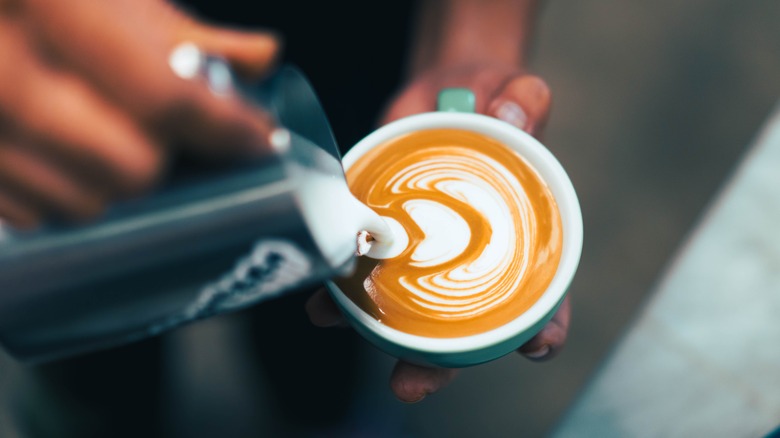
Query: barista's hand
[(508, 94), (90, 109), (504, 92)]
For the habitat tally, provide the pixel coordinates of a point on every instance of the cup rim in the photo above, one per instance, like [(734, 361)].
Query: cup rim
[(554, 176)]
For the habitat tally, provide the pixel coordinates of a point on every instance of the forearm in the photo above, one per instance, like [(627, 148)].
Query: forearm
[(456, 32)]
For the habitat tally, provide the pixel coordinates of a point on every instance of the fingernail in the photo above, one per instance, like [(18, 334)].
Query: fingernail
[(512, 113), (538, 354), (417, 400)]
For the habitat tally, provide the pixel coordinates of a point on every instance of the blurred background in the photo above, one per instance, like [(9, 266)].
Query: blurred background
[(654, 103)]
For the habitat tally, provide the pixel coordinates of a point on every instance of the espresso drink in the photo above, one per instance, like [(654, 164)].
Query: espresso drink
[(484, 233)]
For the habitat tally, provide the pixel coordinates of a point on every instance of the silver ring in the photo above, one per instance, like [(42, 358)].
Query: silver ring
[(189, 62)]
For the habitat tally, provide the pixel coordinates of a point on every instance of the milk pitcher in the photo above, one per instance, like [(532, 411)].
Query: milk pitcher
[(206, 244)]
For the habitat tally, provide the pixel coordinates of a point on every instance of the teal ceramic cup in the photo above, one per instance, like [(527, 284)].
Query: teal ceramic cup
[(456, 112)]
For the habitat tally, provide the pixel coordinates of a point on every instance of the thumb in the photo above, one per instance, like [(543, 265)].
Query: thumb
[(524, 102), (251, 53)]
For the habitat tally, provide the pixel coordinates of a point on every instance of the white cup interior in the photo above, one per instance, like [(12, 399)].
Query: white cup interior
[(551, 172)]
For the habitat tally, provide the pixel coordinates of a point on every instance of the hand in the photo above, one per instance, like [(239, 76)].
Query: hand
[(506, 93), (90, 109)]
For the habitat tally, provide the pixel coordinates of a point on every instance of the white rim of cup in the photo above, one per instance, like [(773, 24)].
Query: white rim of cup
[(551, 172)]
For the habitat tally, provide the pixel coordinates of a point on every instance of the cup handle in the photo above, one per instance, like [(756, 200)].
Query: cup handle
[(459, 100)]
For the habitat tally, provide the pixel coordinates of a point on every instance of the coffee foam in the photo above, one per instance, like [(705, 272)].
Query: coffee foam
[(484, 233), (447, 234)]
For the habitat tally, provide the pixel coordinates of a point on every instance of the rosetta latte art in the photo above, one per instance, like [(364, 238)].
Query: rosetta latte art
[(484, 233)]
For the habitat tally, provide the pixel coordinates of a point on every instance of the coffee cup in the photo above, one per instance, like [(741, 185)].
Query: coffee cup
[(456, 112)]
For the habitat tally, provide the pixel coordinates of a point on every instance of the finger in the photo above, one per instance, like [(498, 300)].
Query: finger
[(216, 127), (422, 95), (132, 68), (323, 312), (252, 54), (39, 183), (75, 128), (415, 100), (549, 342), (16, 213), (412, 383), (524, 102)]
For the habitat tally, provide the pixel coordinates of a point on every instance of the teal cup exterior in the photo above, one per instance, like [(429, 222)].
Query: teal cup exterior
[(456, 112)]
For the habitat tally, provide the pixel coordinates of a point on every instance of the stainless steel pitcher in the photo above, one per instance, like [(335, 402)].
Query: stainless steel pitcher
[(205, 245)]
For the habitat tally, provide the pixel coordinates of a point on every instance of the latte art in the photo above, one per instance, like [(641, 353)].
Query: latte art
[(484, 233)]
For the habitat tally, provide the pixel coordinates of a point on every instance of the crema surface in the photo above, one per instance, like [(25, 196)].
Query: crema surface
[(484, 233)]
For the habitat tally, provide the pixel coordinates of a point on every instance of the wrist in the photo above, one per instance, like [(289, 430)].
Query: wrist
[(454, 33)]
